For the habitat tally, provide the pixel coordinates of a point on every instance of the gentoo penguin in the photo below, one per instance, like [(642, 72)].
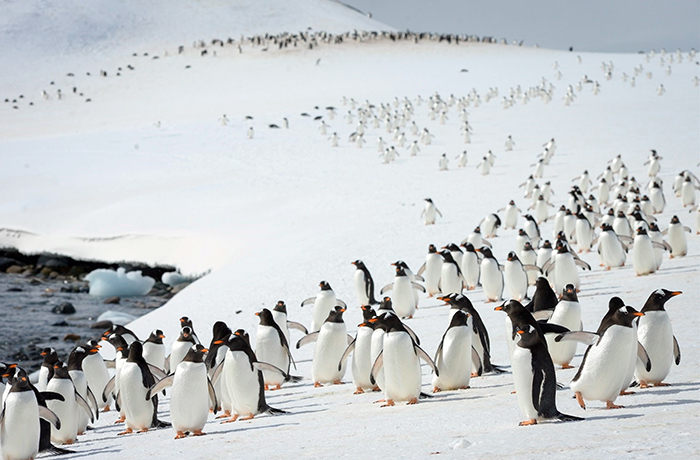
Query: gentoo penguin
[(215, 357), (451, 278), (643, 258), (471, 268), (515, 277), (567, 313), (443, 163), (364, 284), (50, 357), (540, 209), (429, 212), (403, 299), (532, 229), (135, 379), (323, 304), (544, 300), (655, 333), (431, 271), (544, 254), (462, 159), (612, 251), (491, 276), (535, 378), (656, 196), (244, 379), (657, 240), (520, 241), (489, 225), (558, 224), (584, 233), (529, 185), (476, 239), (453, 357), (361, 349), (563, 267), (604, 366), (331, 342), (125, 333), (77, 375), (192, 393), (187, 322), (529, 259), (111, 390), (271, 346), (688, 192), (67, 410), (96, 372), (400, 360), (621, 225), (154, 349), (510, 215), (19, 422), (180, 347), (279, 314), (676, 237), (509, 143)]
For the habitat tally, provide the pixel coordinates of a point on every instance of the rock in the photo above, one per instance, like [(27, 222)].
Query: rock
[(14, 289), (112, 300), (54, 262), (46, 271), (35, 282), (73, 337), (6, 263), (14, 270), (61, 323), (65, 308)]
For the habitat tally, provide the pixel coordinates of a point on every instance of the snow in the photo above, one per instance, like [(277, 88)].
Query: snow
[(148, 172)]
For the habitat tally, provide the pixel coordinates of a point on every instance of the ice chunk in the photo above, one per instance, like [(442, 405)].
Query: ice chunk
[(116, 317), (173, 278), (107, 283)]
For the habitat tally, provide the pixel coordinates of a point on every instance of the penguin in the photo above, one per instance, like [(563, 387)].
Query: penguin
[(544, 300), (490, 224), (244, 379), (544, 254), (602, 371), (20, 427), (529, 185), (180, 347), (612, 251), (476, 239), (563, 267), (462, 159), (279, 314), (491, 276), (154, 349), (656, 196), (540, 209), (364, 284), (400, 360), (323, 304), (96, 373), (77, 375), (50, 357), (215, 357), (429, 212), (431, 271), (443, 163), (271, 346), (644, 260), (453, 357), (404, 300), (558, 224), (529, 260), (361, 349), (515, 277), (331, 342), (688, 192), (125, 333), (111, 390), (187, 322), (655, 334), (567, 313), (621, 225), (510, 216), (68, 409), (451, 278), (135, 379), (532, 229), (676, 237), (192, 393), (520, 241), (471, 269), (584, 233), (535, 378), (658, 241)]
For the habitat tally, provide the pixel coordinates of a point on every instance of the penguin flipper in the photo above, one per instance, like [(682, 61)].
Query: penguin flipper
[(547, 266), (84, 404), (346, 353), (212, 396), (487, 243), (341, 303), (644, 356), (350, 339), (477, 359), (582, 264), (110, 363), (92, 400), (588, 338), (263, 366), (297, 326), (386, 288), (217, 372), (50, 395), (424, 356), (532, 267), (659, 245), (417, 287), (161, 385), (551, 328), (676, 351), (309, 301), (378, 363), (419, 278), (48, 415), (157, 372), (543, 315), (308, 338), (108, 390), (421, 270), (412, 334)]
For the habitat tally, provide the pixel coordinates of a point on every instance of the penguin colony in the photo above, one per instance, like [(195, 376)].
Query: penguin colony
[(230, 378)]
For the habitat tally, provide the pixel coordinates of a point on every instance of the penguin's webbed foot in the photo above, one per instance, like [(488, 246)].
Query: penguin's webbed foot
[(359, 391), (127, 431), (376, 389), (379, 401), (474, 374), (120, 420), (610, 405), (276, 387), (528, 422), (436, 390), (317, 384), (198, 433), (232, 419), (249, 417), (411, 402), (267, 387), (106, 409), (389, 402), (579, 399), (567, 366), (226, 414), (180, 435), (338, 382), (625, 393), (142, 430)]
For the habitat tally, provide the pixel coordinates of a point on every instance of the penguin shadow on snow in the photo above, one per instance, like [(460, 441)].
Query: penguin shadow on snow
[(250, 427), (677, 402), (91, 452)]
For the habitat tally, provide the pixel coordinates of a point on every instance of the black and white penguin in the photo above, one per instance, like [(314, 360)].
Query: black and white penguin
[(404, 299), (655, 333), (567, 313), (491, 276), (562, 267), (192, 393), (271, 346), (364, 284), (643, 257), (612, 251), (154, 349), (676, 237), (75, 369), (471, 266), (180, 347), (215, 356), (96, 372), (279, 313), (515, 276), (68, 409), (187, 322), (544, 300), (535, 378), (323, 303), (430, 212), (451, 278), (50, 357), (489, 225), (111, 390), (453, 357), (361, 349), (431, 271), (125, 333)]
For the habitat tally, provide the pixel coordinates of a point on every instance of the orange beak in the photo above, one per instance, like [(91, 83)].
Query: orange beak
[(638, 313), (205, 350)]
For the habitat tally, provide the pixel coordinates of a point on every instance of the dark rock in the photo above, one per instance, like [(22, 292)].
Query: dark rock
[(6, 262), (14, 269), (112, 300), (61, 323), (73, 337), (66, 308), (46, 271), (14, 289), (107, 324), (35, 282), (54, 262)]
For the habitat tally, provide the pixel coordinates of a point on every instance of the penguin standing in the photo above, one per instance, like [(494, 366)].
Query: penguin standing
[(430, 212), (75, 369), (364, 284), (644, 260), (192, 393), (453, 357), (567, 313), (515, 277), (50, 357), (180, 347), (96, 373), (529, 260), (154, 349), (431, 271), (676, 238), (361, 349), (323, 304), (404, 300), (535, 378), (215, 357), (271, 346), (612, 252), (491, 276), (451, 279), (471, 268), (400, 361), (490, 224), (510, 216), (67, 410), (279, 314), (563, 267), (331, 342), (584, 233), (655, 333), (111, 390), (443, 163)]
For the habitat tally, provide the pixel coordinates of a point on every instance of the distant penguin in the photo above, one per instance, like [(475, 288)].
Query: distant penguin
[(364, 284), (584, 233), (567, 313), (489, 225), (510, 216), (443, 163), (529, 258), (462, 159), (656, 196), (491, 276), (250, 133), (431, 271), (676, 238), (323, 303), (271, 346), (331, 342), (430, 212), (643, 258), (563, 267), (688, 192), (612, 252), (484, 166), (515, 277), (655, 333), (535, 378), (532, 229), (453, 357)]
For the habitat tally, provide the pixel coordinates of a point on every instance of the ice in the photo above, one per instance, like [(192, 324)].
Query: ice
[(108, 283), (174, 278)]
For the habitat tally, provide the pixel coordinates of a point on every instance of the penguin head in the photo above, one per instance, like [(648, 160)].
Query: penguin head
[(522, 232), (428, 199), (477, 230), (185, 321), (186, 335), (452, 248), (459, 318), (512, 256), (220, 332), (569, 293), (325, 286), (21, 381), (196, 354), (641, 231), (468, 247), (400, 263), (400, 271), (335, 315), (606, 227), (281, 307), (526, 336), (675, 220), (658, 299), (358, 263), (135, 352), (386, 304), (432, 249), (486, 251), (10, 371), (156, 336), (546, 245), (625, 315), (368, 312), (511, 203), (60, 370), (653, 227), (528, 246)]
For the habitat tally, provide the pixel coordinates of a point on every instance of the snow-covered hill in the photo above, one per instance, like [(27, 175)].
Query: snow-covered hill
[(150, 170)]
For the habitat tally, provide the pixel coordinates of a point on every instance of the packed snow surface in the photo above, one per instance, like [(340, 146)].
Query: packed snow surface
[(175, 162)]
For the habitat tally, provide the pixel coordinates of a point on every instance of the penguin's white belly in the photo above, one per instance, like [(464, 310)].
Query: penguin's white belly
[(509, 337), (281, 320), (242, 382), (376, 347), (611, 252), (521, 361), (403, 299), (567, 314), (66, 411), (632, 363), (330, 346), (43, 379), (455, 360), (19, 431), (360, 285), (584, 235), (491, 280), (470, 262), (402, 376), (565, 272), (510, 219), (325, 302), (677, 240), (644, 260), (97, 377), (450, 281), (656, 336), (431, 275), (516, 280), (362, 358), (604, 369), (81, 385), (268, 349), (189, 397), (429, 214), (137, 409), (178, 353), (153, 353)]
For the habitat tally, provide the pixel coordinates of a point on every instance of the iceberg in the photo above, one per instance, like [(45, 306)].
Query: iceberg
[(108, 283)]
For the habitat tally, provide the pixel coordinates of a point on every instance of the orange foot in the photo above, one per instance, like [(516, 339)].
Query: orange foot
[(106, 409), (337, 382), (528, 422), (471, 288), (143, 430), (180, 435), (226, 414), (389, 402), (436, 390), (625, 393), (249, 417), (464, 387), (127, 431), (267, 387), (412, 401), (567, 366), (359, 391), (581, 402), (120, 420), (607, 268), (376, 389), (70, 441), (198, 433), (317, 384), (276, 387), (380, 401), (490, 300), (232, 419), (610, 405), (474, 374)]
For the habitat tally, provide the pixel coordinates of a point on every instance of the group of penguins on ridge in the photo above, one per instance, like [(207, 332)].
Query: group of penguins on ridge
[(629, 345)]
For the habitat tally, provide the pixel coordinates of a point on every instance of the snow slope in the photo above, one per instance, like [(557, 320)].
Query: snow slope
[(147, 171)]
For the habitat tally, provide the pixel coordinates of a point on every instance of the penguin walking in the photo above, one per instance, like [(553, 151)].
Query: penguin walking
[(361, 349), (491, 276), (484, 166), (279, 314), (567, 313), (404, 300), (216, 355), (364, 284), (612, 251), (451, 279), (655, 334), (192, 394), (644, 260), (510, 216), (563, 268), (489, 225), (471, 268), (429, 212), (96, 373), (462, 159), (431, 271), (443, 163), (154, 349), (50, 357), (271, 346), (323, 304), (515, 275), (535, 378), (331, 342), (68, 409), (453, 357), (676, 237), (400, 360), (584, 233)]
